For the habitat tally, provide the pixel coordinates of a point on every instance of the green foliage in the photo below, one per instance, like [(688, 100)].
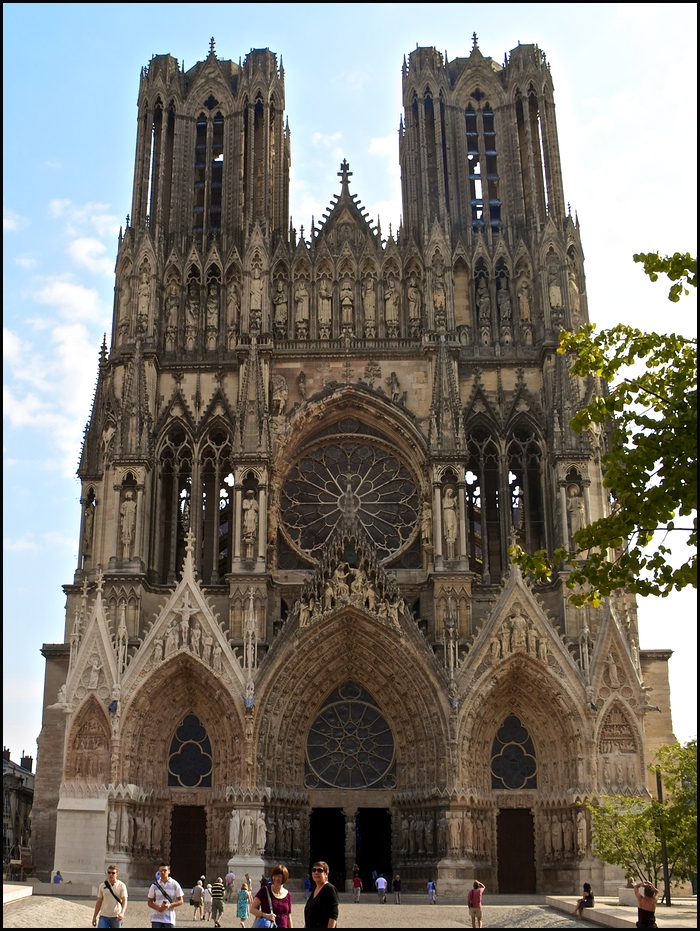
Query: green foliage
[(627, 831), (651, 468)]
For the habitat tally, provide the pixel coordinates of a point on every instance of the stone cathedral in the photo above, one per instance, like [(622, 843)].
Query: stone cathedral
[(294, 631)]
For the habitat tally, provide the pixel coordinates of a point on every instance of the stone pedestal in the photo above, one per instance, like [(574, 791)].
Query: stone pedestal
[(241, 864), (626, 896)]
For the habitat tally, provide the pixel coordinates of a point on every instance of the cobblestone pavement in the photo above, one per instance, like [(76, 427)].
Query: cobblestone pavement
[(414, 912)]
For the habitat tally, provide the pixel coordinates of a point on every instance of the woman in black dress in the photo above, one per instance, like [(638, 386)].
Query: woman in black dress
[(321, 909)]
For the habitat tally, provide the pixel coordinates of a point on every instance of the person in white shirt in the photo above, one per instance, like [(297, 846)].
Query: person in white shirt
[(381, 885), (164, 896)]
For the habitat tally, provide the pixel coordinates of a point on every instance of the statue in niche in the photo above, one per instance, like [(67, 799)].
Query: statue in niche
[(246, 833), (631, 772), (172, 307), (260, 833), (301, 310), (144, 300), (369, 307), (524, 298), (88, 524), (542, 649), (519, 629), (195, 638), (279, 299), (391, 307), (504, 305), (347, 304), (256, 299), (607, 772), (449, 521), (581, 832), (442, 834), (439, 292), (574, 297), (404, 835), (557, 841), (216, 664), (394, 387), (576, 509), (612, 672), (505, 639), (207, 643), (280, 393), (547, 838), (483, 305), (495, 649), (127, 522), (350, 836), (554, 289), (325, 301), (191, 314), (250, 522), (301, 381), (426, 525), (171, 639), (157, 652), (95, 666), (455, 835), (112, 820), (213, 301), (531, 641), (568, 829), (233, 306), (415, 305), (234, 832), (619, 774), (124, 306), (340, 586)]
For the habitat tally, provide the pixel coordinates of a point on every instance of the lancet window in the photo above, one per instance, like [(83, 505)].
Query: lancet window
[(208, 170), (482, 156), (525, 482), (485, 542)]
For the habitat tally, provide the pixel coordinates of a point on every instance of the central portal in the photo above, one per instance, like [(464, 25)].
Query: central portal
[(188, 844), (327, 842), (374, 844)]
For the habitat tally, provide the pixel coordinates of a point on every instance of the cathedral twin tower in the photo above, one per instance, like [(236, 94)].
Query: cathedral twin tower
[(294, 631)]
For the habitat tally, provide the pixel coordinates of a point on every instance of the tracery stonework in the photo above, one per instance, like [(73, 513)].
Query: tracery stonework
[(293, 612)]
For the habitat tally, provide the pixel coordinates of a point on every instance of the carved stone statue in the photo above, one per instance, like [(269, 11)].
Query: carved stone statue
[(518, 626), (369, 307), (213, 305), (191, 314), (279, 299), (280, 393), (301, 310), (256, 299), (449, 521), (88, 523), (113, 818), (391, 307), (557, 840), (246, 833), (576, 509), (542, 649), (612, 672), (554, 289), (234, 832), (325, 299), (233, 306), (144, 298), (347, 304), (128, 522), (581, 832), (532, 641), (260, 833), (250, 522), (524, 298), (426, 525), (439, 292), (574, 297), (171, 639), (504, 305), (95, 666), (415, 305)]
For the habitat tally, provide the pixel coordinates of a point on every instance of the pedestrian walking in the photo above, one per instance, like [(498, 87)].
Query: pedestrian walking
[(111, 901), (357, 887), (307, 886), (474, 902), (243, 904), (397, 890), (164, 896), (197, 900), (432, 893), (321, 909), (229, 882), (380, 886), (207, 901), (218, 890)]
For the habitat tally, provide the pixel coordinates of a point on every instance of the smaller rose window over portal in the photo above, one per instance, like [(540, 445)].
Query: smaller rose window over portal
[(350, 744), (513, 763)]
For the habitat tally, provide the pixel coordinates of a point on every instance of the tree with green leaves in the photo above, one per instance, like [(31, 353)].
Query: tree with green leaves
[(650, 411), (627, 830)]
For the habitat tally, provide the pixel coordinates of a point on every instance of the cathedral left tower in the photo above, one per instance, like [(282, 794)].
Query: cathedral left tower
[(157, 470)]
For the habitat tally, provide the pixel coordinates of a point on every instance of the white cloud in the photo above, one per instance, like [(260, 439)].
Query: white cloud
[(325, 140), (13, 347), (74, 301), (12, 221), (58, 207), (89, 252), (46, 541), (25, 261)]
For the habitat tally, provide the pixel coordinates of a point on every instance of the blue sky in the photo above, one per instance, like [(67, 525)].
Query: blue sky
[(625, 81)]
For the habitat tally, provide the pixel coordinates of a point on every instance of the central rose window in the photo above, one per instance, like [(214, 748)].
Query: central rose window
[(356, 476)]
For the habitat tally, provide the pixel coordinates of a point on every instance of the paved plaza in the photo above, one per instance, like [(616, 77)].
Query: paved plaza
[(414, 912)]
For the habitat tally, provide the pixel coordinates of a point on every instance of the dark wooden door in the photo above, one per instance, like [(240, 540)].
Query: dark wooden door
[(188, 845), (516, 851)]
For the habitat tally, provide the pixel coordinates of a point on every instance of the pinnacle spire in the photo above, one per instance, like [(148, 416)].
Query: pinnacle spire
[(212, 47), (344, 174)]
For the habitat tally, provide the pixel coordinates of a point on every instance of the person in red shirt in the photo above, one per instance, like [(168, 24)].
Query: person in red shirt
[(357, 887), (474, 903)]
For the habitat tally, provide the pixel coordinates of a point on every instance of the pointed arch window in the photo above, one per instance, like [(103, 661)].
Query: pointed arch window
[(526, 485), (482, 160), (175, 501), (483, 505), (208, 171), (190, 758), (513, 760)]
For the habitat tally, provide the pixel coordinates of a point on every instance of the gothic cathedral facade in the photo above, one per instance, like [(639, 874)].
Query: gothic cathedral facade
[(294, 631)]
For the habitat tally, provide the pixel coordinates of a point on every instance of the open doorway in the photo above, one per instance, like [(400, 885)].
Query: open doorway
[(327, 842), (516, 851), (188, 844), (373, 844)]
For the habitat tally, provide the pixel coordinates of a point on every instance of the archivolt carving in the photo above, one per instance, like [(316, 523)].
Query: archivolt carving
[(348, 645), (89, 746), (149, 723)]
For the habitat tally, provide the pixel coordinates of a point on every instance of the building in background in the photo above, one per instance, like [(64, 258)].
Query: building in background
[(294, 631), (17, 797)]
